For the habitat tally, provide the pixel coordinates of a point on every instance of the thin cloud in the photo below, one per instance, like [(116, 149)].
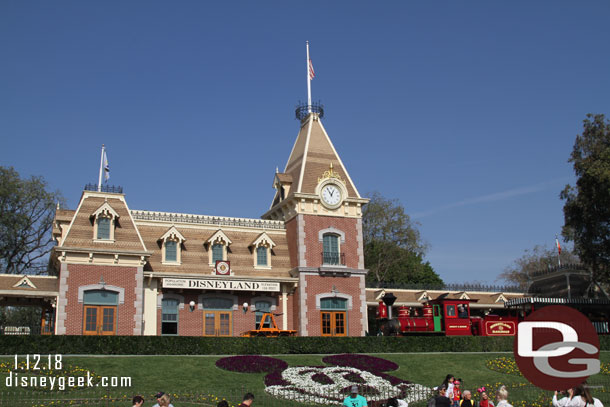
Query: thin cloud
[(498, 196)]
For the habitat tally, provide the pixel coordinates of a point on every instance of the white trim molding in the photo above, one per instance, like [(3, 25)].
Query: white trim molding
[(106, 287), (173, 296), (333, 295), (331, 230)]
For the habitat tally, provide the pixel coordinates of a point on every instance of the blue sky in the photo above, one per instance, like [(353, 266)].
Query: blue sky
[(466, 112)]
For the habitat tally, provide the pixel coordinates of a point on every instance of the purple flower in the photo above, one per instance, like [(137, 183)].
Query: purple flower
[(251, 364)]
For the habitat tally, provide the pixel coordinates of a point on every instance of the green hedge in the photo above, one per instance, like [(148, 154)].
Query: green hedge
[(186, 345)]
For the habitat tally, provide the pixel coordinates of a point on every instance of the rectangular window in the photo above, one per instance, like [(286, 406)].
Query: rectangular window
[(331, 249), (261, 256), (217, 253), (103, 228), (171, 251), (169, 316)]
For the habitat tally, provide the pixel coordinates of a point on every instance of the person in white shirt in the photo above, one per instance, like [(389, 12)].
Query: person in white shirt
[(568, 401), (502, 396), (581, 393)]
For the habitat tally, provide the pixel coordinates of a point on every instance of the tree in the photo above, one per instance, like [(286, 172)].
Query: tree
[(393, 248), (539, 258), (27, 210), (587, 204)]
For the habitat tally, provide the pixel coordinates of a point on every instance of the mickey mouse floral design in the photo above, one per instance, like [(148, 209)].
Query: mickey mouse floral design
[(329, 384)]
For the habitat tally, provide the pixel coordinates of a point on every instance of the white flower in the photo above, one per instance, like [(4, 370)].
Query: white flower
[(303, 388)]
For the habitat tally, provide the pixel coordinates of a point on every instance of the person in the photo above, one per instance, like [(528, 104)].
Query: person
[(568, 401), (162, 400), (582, 393), (467, 400), (457, 393), (222, 403), (502, 396), (440, 400), (448, 385), (137, 401), (247, 400), (485, 401), (354, 399)]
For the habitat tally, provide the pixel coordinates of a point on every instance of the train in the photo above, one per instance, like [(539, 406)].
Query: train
[(450, 317)]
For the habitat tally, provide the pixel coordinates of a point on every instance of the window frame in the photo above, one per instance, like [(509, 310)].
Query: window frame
[(337, 238), (177, 313)]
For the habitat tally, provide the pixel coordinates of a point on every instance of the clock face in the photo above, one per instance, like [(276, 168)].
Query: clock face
[(331, 195), (222, 267)]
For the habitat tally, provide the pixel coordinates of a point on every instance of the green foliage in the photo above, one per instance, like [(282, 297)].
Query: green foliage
[(393, 248), (587, 207), (27, 210), (540, 258), (185, 345)]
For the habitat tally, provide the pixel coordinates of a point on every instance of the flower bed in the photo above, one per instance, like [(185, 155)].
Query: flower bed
[(329, 384)]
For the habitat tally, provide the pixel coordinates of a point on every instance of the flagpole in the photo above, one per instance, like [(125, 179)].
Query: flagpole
[(308, 81), (99, 183), (558, 251)]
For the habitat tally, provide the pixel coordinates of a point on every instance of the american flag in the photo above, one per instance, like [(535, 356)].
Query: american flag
[(312, 74)]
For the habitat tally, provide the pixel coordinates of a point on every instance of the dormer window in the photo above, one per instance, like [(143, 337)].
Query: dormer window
[(172, 242), (262, 251), (218, 247), (218, 252), (103, 228), (261, 256), (105, 220)]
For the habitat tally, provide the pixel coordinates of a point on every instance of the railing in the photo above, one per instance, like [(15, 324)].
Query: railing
[(207, 220), (333, 259), (105, 188), (577, 267), (21, 330), (303, 110), (448, 287)]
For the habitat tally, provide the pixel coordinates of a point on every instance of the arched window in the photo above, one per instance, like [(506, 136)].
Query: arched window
[(105, 220), (100, 309), (330, 244), (333, 316), (169, 316)]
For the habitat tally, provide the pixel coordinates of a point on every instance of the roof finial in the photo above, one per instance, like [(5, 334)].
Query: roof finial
[(277, 170)]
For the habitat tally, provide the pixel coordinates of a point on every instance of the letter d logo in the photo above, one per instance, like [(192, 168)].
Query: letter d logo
[(556, 347)]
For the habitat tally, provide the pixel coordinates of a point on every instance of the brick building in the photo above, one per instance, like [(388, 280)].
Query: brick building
[(138, 272)]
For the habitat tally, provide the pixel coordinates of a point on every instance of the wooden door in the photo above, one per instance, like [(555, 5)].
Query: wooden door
[(217, 323), (99, 320), (334, 323)]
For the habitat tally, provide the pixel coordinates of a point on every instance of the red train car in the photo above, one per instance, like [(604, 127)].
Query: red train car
[(443, 316)]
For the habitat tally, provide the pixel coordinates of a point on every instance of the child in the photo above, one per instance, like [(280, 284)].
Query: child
[(457, 393)]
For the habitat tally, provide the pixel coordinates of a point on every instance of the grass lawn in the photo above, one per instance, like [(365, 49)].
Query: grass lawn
[(187, 376)]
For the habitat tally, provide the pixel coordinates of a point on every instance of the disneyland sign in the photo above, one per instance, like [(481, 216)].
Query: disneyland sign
[(224, 284)]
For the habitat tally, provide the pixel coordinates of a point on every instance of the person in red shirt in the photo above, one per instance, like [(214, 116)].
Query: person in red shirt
[(457, 393), (485, 401)]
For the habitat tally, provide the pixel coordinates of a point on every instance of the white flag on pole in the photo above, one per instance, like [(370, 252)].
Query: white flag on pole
[(106, 167)]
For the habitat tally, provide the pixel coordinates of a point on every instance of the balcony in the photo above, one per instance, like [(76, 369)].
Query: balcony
[(333, 259)]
